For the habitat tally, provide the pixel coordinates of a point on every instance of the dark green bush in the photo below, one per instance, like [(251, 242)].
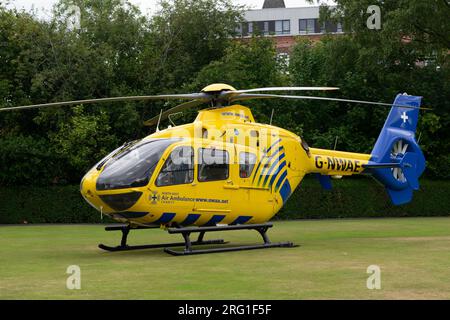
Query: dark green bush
[(58, 204), (364, 198), (26, 160)]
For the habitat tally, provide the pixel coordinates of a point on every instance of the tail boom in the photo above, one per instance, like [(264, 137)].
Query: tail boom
[(337, 163)]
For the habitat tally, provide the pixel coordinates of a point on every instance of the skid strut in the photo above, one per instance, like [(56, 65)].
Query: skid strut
[(188, 244), (188, 250)]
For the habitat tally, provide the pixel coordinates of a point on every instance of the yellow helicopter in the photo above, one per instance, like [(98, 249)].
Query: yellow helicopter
[(226, 172)]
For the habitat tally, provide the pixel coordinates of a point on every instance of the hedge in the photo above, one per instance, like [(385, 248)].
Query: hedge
[(350, 198), (363, 198)]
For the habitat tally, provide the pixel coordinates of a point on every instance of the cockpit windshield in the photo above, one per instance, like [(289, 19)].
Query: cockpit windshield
[(133, 166)]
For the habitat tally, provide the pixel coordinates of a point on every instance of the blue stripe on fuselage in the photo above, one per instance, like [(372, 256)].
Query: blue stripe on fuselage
[(265, 155), (269, 160), (165, 218), (282, 177), (273, 145), (190, 219), (214, 220), (241, 220), (285, 191), (278, 174)]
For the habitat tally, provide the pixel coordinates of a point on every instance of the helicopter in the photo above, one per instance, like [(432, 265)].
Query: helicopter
[(226, 172)]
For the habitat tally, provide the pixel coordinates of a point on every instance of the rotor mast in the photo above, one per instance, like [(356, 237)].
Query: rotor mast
[(216, 90)]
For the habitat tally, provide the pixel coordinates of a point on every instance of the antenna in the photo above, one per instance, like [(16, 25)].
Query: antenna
[(336, 177), (159, 121), (271, 116), (171, 115), (335, 142)]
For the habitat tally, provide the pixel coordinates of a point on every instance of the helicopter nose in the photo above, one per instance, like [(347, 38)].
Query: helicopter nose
[(87, 189)]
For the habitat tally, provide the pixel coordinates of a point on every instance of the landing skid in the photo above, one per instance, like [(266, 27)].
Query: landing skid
[(125, 247), (188, 244)]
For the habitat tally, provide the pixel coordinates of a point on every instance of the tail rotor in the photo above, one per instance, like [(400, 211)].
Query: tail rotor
[(398, 151)]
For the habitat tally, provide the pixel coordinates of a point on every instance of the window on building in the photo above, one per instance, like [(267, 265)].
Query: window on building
[(339, 27), (250, 27), (302, 24), (239, 29), (286, 26), (213, 165), (246, 164), (310, 28), (307, 26), (282, 27), (178, 168), (279, 27), (323, 28), (266, 28)]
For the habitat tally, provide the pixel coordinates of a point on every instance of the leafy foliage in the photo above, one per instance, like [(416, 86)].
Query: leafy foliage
[(27, 160), (189, 34), (189, 44), (116, 52), (409, 54), (95, 133)]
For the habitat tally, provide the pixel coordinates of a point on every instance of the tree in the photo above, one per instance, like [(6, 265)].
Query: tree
[(249, 63), (189, 34), (115, 51), (409, 54), (45, 61)]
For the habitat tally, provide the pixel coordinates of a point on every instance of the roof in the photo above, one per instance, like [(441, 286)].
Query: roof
[(273, 4)]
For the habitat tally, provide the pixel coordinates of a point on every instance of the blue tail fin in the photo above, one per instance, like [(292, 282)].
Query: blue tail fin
[(397, 160)]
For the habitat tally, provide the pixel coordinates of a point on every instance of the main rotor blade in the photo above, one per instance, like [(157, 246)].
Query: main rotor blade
[(115, 99), (274, 96), (179, 108), (239, 92), (287, 89)]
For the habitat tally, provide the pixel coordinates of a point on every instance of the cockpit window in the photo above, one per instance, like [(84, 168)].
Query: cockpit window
[(116, 152), (134, 166), (178, 169)]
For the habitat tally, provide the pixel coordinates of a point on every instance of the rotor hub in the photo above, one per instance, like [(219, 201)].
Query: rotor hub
[(218, 87)]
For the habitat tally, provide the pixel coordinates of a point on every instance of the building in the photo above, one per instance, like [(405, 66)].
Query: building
[(285, 24)]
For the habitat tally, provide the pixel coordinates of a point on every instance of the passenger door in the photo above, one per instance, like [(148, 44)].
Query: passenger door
[(213, 175), (174, 188)]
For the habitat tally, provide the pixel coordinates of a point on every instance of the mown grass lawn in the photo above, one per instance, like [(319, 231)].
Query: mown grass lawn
[(331, 263)]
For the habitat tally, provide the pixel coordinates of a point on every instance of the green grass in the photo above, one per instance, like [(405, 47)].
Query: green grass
[(331, 263)]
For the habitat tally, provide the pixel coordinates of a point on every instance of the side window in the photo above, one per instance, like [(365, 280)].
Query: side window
[(213, 165), (246, 164), (178, 169)]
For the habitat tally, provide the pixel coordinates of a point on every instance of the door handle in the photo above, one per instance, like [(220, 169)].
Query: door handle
[(212, 210), (233, 187)]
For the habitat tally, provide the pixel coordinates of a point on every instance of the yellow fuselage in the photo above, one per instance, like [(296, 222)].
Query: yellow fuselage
[(265, 164)]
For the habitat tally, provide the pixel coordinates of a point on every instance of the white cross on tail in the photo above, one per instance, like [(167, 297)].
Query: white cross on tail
[(404, 117)]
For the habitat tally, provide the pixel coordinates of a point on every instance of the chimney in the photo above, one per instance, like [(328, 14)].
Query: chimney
[(273, 4)]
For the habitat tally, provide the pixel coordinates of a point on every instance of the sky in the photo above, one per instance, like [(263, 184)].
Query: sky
[(147, 6)]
